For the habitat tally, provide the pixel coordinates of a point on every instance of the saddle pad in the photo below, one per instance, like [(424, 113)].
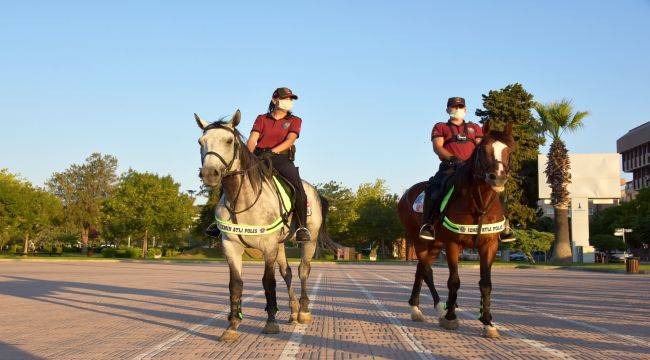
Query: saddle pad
[(418, 204)]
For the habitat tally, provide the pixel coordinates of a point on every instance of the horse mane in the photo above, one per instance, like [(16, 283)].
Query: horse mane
[(256, 170)]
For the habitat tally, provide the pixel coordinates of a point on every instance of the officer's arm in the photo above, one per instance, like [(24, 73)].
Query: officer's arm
[(252, 141), (286, 144), (438, 148)]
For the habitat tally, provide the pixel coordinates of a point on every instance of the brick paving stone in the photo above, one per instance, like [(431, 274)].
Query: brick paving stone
[(99, 310)]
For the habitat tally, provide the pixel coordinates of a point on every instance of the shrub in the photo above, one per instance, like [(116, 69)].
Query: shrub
[(170, 252), (328, 254), (109, 252), (129, 253), (152, 252)]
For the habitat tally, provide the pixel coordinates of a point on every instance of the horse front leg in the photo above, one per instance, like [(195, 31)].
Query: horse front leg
[(308, 249), (487, 253), (450, 320), (233, 252), (268, 280), (414, 301)]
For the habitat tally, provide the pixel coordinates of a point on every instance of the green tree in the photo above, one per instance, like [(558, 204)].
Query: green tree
[(531, 240), (633, 215), (376, 222), (206, 218), (607, 243), (341, 211), (26, 211), (146, 205), (558, 118), (83, 189), (514, 104)]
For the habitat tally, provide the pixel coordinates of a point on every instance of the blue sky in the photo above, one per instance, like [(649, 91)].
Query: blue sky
[(124, 78)]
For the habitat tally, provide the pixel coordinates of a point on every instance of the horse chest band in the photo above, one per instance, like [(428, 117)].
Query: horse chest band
[(228, 227), (493, 228)]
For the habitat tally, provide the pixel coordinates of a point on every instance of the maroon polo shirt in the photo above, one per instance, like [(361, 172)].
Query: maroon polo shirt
[(274, 132), (460, 149)]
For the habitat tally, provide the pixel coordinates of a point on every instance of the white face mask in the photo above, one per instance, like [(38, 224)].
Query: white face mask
[(285, 104), (457, 113)]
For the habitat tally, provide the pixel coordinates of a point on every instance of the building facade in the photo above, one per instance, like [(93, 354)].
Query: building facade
[(634, 148)]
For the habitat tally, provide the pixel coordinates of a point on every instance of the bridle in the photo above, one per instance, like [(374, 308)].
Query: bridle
[(481, 206), (483, 174), (235, 150), (228, 164)]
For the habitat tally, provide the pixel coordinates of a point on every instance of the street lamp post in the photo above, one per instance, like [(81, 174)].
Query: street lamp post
[(622, 232)]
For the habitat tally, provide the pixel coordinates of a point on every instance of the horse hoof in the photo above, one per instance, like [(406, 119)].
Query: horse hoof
[(229, 336), (293, 319), (271, 328), (440, 310), (304, 318), (448, 324), (416, 315), (490, 332)]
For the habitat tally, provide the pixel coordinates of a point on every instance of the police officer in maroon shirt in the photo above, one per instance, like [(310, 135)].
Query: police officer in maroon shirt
[(454, 142), (273, 136)]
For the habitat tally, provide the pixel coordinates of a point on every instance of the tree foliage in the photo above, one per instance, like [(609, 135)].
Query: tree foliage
[(633, 215), (365, 218), (514, 104), (26, 211), (83, 188), (146, 205), (530, 240), (607, 243)]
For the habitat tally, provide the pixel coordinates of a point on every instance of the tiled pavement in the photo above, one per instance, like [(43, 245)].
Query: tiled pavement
[(135, 310)]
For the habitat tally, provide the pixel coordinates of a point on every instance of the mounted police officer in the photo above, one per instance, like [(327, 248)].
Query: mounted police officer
[(273, 136), (454, 142)]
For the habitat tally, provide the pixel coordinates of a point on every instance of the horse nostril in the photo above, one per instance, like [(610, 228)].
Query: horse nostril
[(492, 176)]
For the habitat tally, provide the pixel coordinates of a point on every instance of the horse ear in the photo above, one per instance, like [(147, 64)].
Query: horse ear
[(486, 127), (236, 119), (508, 129), (202, 124)]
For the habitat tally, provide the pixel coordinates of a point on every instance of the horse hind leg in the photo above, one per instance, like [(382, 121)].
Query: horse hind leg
[(428, 279), (308, 249), (233, 252), (285, 271)]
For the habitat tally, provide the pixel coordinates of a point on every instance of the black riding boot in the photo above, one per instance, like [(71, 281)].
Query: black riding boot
[(429, 214), (302, 234)]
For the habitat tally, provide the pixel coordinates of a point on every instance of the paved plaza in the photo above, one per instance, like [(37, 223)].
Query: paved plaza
[(146, 310)]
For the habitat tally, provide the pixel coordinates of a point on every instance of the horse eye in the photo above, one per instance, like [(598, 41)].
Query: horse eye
[(229, 141)]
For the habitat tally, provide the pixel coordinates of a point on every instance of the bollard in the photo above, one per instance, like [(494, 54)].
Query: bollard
[(632, 265)]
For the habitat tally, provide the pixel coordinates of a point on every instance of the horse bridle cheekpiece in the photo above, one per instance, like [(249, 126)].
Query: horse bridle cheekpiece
[(484, 175), (227, 164)]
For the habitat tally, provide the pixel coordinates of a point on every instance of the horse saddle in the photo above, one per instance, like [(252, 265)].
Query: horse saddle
[(448, 189), (287, 193)]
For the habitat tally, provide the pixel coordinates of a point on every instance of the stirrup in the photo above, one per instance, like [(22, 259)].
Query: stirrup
[(213, 230), (303, 229), (507, 238), (427, 233)]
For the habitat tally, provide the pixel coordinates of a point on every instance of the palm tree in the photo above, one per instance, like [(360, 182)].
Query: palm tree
[(558, 118)]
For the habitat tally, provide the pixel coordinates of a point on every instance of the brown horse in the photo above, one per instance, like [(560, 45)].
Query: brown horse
[(474, 201)]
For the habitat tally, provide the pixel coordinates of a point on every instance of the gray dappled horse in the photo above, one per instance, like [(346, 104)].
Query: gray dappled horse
[(250, 198)]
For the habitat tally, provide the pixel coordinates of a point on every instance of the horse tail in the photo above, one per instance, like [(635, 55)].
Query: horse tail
[(323, 235)]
